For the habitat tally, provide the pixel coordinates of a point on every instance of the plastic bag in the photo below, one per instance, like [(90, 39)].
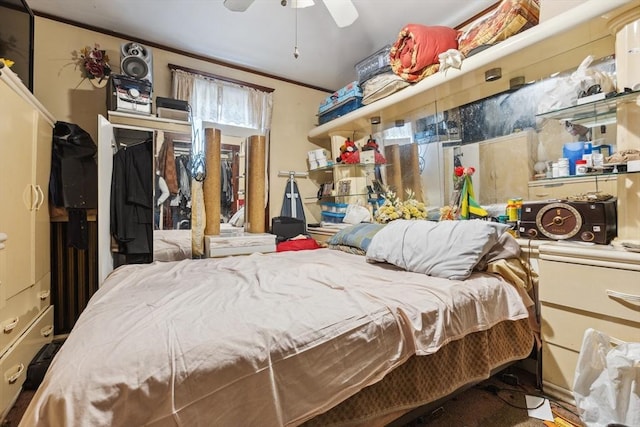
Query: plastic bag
[(606, 386), (564, 91), (356, 214)]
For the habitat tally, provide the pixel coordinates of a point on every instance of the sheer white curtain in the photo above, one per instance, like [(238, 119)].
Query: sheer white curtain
[(223, 102)]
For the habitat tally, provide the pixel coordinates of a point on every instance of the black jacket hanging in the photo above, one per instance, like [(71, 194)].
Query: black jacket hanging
[(132, 199)]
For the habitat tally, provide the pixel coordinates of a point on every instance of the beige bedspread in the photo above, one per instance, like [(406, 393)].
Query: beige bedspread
[(260, 340), (171, 245)]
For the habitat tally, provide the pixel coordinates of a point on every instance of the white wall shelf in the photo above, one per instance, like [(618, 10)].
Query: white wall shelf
[(577, 27)]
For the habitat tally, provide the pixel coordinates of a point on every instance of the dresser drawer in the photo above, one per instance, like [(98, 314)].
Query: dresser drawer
[(14, 363), (601, 290), (558, 371), (22, 309), (565, 327), (563, 188)]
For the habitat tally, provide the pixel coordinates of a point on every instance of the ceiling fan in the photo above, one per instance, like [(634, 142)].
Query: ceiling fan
[(343, 12)]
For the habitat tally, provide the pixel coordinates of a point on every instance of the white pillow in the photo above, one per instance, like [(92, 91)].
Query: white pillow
[(237, 220), (446, 249)]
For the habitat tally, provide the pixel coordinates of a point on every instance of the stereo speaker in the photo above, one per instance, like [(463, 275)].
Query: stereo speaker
[(136, 61)]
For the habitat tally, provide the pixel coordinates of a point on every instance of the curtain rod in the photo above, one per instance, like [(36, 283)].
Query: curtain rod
[(217, 77)]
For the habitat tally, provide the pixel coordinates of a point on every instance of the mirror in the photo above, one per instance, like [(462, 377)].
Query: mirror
[(172, 185), (172, 196), (232, 192), (499, 135)]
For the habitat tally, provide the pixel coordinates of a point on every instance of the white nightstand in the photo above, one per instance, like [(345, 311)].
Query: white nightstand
[(583, 287)]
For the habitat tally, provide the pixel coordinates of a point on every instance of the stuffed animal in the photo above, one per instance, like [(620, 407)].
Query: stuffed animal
[(373, 145), (348, 153)]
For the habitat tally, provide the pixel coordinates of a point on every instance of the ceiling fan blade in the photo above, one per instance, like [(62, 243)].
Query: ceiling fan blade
[(237, 5), (342, 11)]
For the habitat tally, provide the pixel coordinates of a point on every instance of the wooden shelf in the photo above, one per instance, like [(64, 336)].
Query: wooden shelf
[(577, 27)]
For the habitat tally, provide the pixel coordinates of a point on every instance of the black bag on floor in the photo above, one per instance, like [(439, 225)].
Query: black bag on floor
[(39, 365)]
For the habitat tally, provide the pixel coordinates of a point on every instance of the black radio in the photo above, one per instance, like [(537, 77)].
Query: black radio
[(594, 221)]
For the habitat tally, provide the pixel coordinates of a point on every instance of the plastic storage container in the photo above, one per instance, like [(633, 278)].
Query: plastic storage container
[(340, 102), (581, 167), (333, 217), (374, 64), (334, 207)]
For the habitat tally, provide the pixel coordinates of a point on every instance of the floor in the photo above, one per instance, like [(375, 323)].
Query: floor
[(493, 402), (498, 401)]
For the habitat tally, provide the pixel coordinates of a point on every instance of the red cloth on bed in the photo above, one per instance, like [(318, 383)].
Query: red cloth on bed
[(415, 54), (297, 245)]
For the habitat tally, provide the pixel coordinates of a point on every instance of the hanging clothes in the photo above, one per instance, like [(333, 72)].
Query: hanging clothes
[(132, 201), (226, 187), (167, 165)]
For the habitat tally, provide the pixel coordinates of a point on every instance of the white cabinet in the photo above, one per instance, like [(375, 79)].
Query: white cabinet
[(506, 164), (25, 163), (583, 287), (562, 188)]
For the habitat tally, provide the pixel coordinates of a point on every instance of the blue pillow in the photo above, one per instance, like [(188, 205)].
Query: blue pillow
[(357, 237)]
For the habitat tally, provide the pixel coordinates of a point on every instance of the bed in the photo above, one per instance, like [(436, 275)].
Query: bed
[(322, 337)]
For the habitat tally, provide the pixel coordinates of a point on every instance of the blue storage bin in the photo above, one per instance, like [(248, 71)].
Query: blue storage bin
[(340, 102), (334, 207), (343, 109), (332, 217)]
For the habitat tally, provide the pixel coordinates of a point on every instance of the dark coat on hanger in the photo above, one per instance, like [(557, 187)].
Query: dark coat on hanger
[(132, 199)]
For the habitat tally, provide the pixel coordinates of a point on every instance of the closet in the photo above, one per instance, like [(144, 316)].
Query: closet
[(144, 188), (26, 316)]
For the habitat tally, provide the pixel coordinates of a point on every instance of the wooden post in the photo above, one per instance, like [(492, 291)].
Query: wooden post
[(211, 186), (255, 200)]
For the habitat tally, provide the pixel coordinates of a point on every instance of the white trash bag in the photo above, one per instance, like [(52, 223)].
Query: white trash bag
[(356, 214), (607, 381)]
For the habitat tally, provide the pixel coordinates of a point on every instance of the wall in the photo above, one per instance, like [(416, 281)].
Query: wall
[(60, 86)]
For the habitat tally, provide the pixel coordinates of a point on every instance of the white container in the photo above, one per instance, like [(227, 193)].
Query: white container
[(597, 159), (322, 162), (581, 167), (563, 167), (633, 166), (555, 171)]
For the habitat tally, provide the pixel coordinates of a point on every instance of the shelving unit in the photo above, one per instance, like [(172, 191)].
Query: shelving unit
[(590, 114), (358, 175), (534, 53), (595, 113)]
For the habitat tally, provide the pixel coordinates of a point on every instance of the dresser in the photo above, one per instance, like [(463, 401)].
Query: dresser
[(26, 316), (583, 287)]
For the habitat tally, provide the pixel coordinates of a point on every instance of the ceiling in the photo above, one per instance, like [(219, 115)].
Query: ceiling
[(263, 37)]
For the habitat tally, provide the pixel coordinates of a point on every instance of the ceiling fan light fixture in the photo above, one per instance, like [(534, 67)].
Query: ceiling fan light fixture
[(343, 12), (237, 5), (301, 4)]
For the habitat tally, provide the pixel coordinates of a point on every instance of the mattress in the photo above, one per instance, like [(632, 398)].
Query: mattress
[(266, 339)]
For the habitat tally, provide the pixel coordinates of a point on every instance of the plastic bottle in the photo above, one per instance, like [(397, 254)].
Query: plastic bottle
[(581, 167)]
